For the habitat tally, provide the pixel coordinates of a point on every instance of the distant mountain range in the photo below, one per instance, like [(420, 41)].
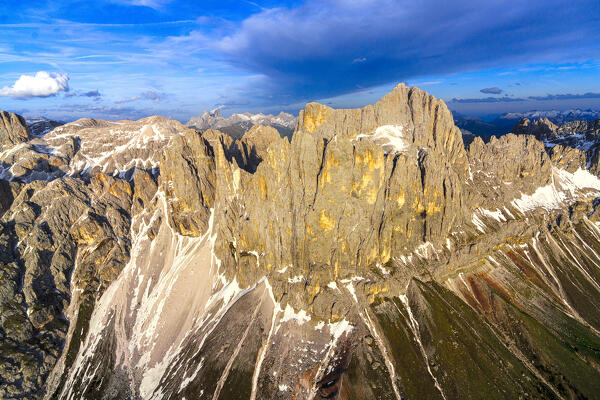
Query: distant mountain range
[(238, 124), (555, 116), (504, 123)]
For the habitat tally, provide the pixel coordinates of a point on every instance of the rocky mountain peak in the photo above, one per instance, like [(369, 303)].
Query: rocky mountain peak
[(207, 119), (541, 128), (405, 117), (13, 129)]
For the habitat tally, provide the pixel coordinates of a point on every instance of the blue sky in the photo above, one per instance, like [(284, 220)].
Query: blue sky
[(133, 58)]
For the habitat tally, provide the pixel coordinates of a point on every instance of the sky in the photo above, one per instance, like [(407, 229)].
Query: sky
[(128, 59)]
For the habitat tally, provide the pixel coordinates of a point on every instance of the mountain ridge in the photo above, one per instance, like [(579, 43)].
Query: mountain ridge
[(370, 256), (504, 123), (238, 124)]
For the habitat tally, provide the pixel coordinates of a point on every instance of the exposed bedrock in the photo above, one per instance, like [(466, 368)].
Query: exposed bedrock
[(372, 256)]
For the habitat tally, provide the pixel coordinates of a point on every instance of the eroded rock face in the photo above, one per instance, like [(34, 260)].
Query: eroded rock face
[(371, 256), (13, 129), (49, 229), (188, 179), (39, 126), (572, 145), (541, 128), (504, 168), (353, 189)]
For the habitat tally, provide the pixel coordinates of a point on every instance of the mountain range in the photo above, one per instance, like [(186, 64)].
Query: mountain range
[(371, 255), (502, 124), (238, 124)]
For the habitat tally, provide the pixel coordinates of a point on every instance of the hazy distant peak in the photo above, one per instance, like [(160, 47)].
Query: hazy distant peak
[(238, 124)]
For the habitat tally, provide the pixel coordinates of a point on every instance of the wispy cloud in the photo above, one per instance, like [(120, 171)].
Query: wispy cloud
[(429, 83), (151, 95), (548, 97), (156, 4), (505, 99)]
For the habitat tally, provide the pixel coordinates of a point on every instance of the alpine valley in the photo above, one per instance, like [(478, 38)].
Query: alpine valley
[(370, 255)]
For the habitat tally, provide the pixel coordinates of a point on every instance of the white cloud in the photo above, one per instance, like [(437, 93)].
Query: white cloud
[(42, 84)]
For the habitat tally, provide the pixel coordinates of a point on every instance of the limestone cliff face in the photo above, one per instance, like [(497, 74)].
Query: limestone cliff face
[(353, 189), (372, 256)]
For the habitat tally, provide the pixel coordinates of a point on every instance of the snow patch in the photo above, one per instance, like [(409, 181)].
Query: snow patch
[(565, 185), (497, 214), (337, 329), (296, 279), (387, 136), (350, 288), (282, 270), (580, 179), (289, 314), (423, 249), (383, 270)]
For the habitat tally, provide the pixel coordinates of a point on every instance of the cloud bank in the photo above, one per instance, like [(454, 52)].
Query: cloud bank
[(548, 97), (331, 47), (505, 99), (42, 84), (567, 96)]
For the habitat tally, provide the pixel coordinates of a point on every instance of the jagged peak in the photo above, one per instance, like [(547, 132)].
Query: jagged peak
[(406, 117), (541, 128), (13, 129)]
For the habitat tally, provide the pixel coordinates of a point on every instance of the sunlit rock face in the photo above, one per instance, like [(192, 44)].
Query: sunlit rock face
[(370, 257)]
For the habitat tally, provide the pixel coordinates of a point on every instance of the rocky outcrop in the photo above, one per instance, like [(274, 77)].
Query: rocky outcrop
[(13, 129), (64, 243), (188, 180), (541, 128), (544, 130), (572, 145), (39, 126), (588, 128), (506, 167)]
